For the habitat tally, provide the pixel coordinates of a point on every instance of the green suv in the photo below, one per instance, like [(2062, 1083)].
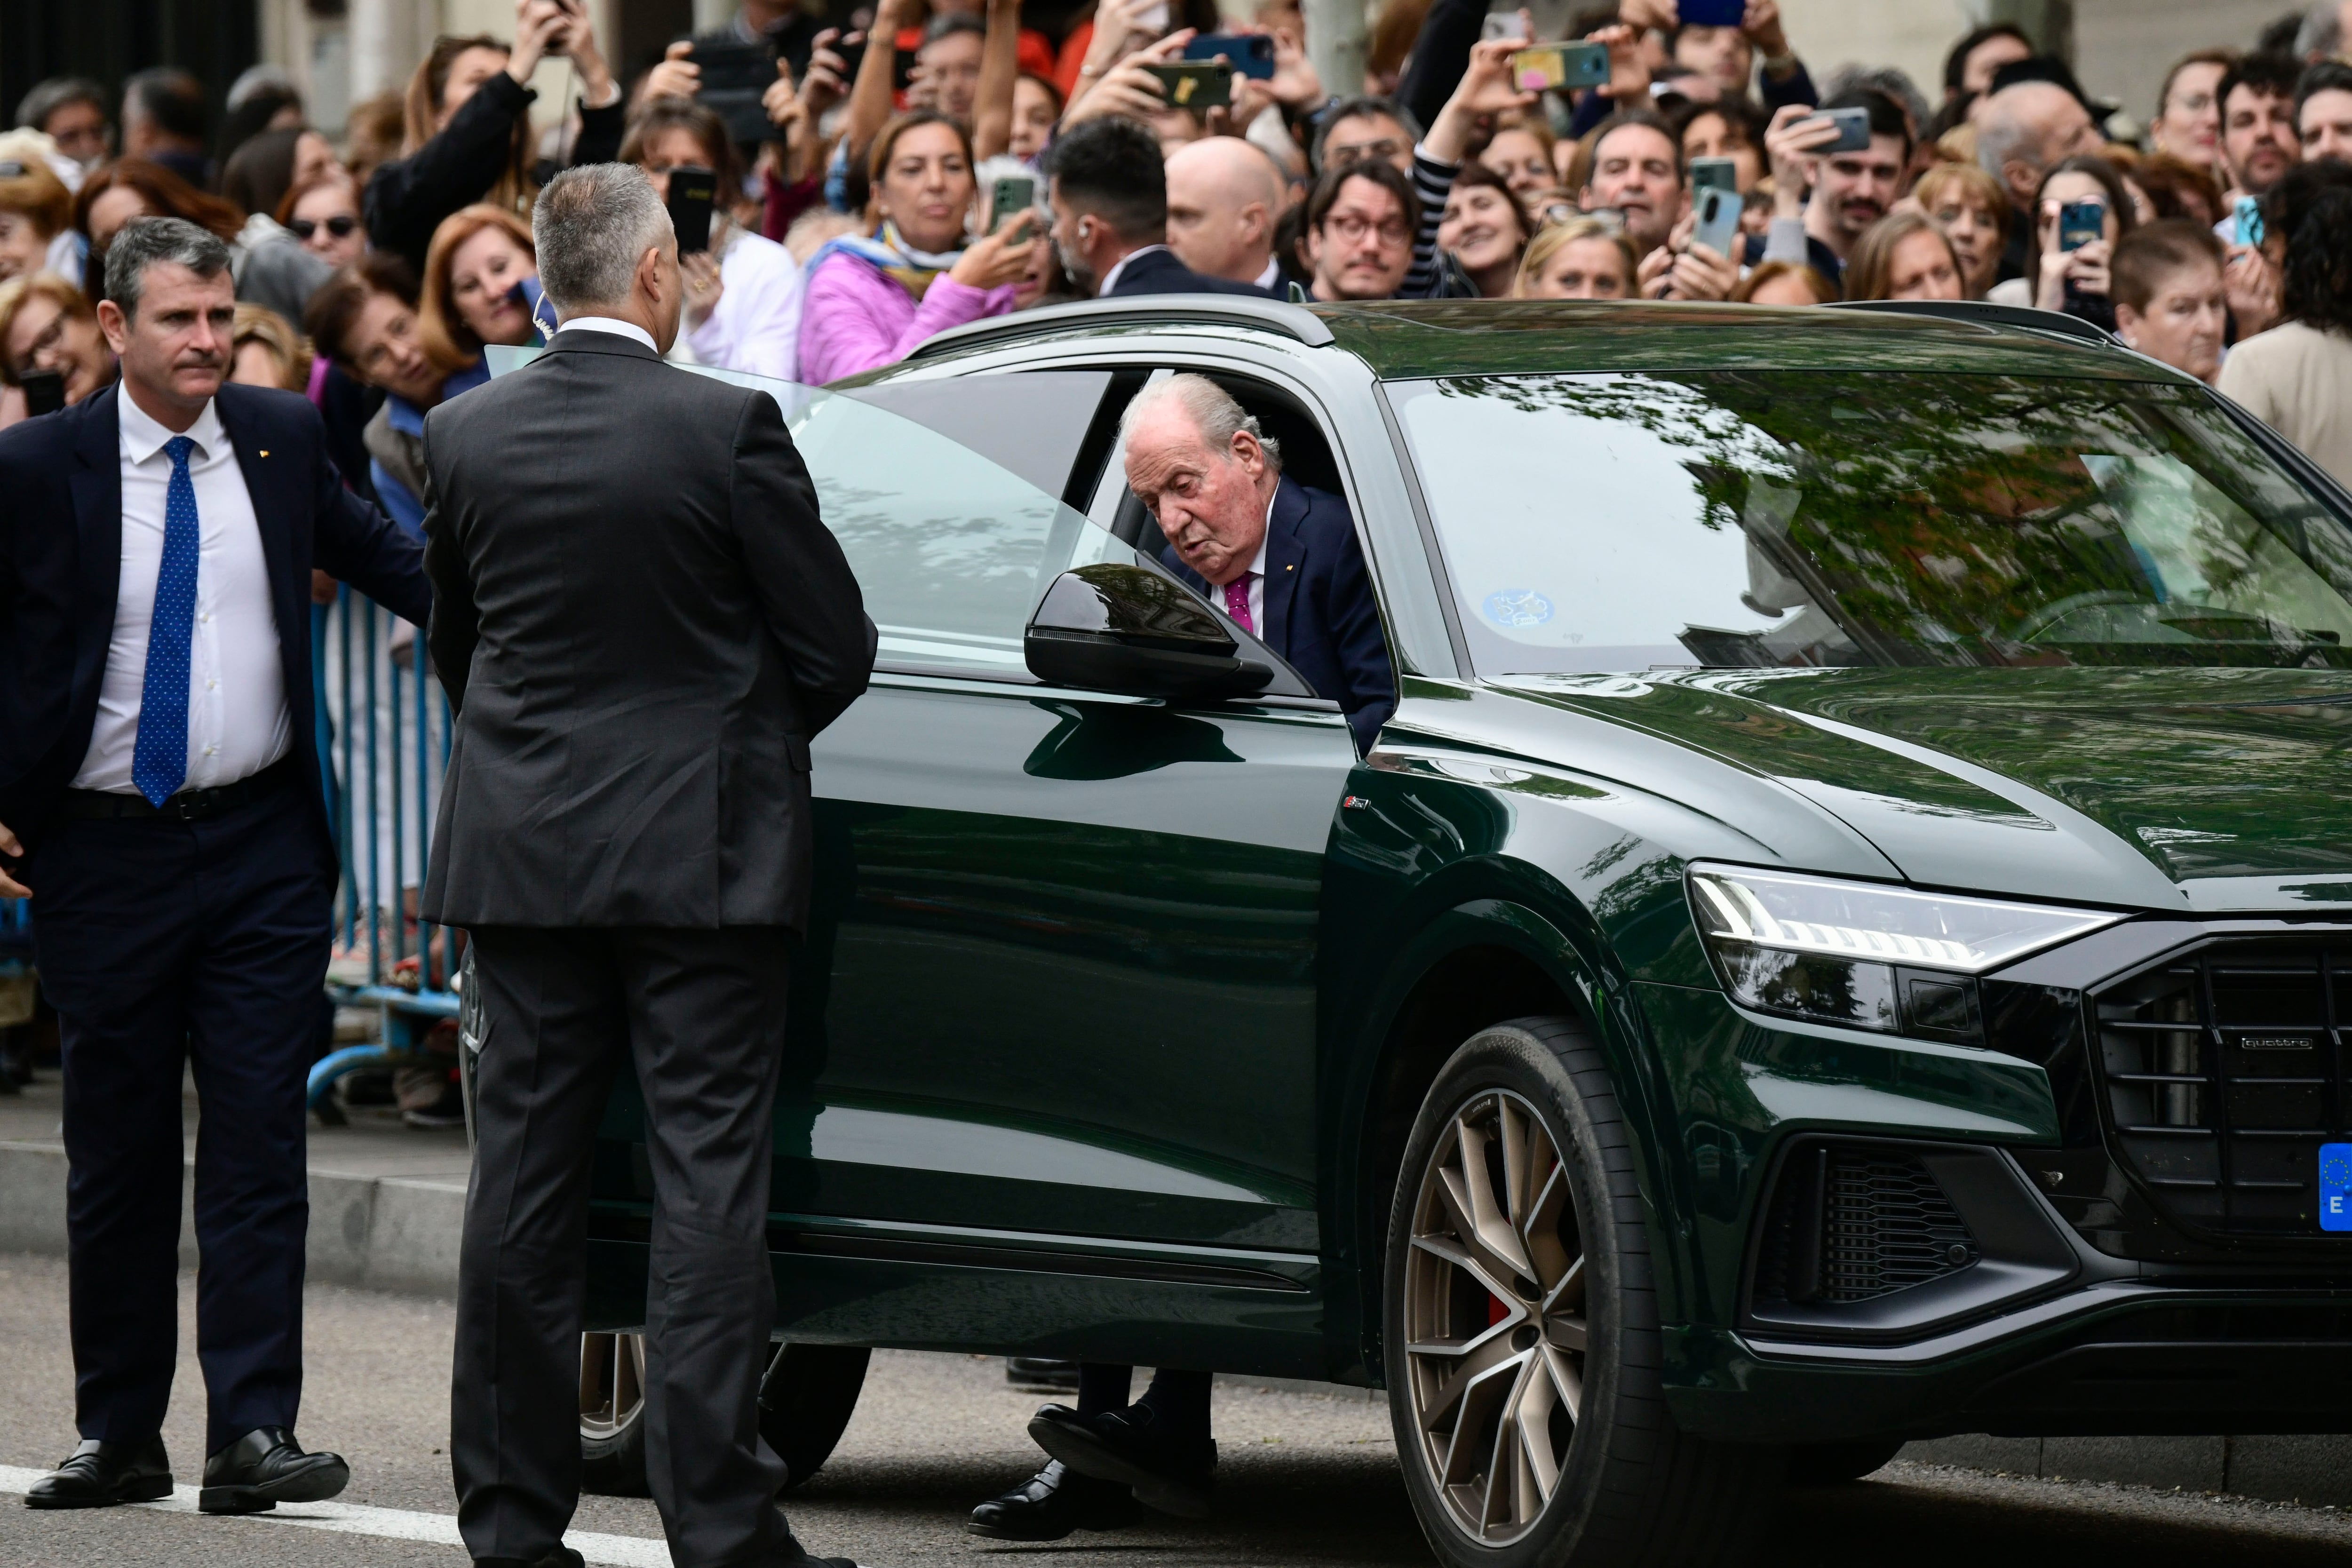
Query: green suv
[(1847, 936)]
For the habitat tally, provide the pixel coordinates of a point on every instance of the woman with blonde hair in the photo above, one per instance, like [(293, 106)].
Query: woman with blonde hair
[(48, 324), (1583, 259), (481, 287), (266, 351), (466, 126), (1969, 205), (37, 233), (1904, 256)]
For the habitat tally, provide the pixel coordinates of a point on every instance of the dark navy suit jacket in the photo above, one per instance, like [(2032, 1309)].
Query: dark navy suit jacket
[(61, 560), (1319, 611), (1159, 272)]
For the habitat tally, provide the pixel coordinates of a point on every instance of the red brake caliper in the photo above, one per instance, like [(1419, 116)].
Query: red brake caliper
[(1496, 1310)]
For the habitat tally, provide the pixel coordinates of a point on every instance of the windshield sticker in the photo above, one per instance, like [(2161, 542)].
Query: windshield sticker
[(2336, 1186), (1517, 607)]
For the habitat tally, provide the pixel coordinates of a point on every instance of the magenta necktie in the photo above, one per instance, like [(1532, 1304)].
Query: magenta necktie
[(1238, 602)]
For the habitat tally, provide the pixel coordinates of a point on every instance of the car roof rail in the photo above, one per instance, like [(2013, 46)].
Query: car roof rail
[(1193, 310), (1984, 314)]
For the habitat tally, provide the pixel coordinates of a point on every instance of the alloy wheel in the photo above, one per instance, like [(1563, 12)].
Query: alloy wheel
[(1495, 1318), (612, 1384)]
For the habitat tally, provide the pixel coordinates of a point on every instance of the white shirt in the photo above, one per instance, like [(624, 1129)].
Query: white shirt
[(1272, 276), (1102, 290), (608, 324), (238, 721), (756, 325)]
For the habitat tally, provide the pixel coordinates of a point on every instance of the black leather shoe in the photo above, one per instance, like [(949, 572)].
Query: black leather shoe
[(1053, 1502), (98, 1475), (1170, 1474), (265, 1468)]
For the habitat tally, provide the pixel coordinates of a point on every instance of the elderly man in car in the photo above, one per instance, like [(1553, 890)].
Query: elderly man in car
[(1281, 560)]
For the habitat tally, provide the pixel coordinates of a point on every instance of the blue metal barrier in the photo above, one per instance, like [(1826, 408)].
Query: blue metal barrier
[(383, 728)]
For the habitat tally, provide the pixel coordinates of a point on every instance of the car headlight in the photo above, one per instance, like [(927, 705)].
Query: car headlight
[(1864, 954)]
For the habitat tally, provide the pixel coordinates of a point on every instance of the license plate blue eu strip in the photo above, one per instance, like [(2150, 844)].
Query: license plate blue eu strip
[(2336, 1186)]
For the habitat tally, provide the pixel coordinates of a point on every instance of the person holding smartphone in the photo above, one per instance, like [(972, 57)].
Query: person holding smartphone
[(742, 291), (2067, 263), (48, 327)]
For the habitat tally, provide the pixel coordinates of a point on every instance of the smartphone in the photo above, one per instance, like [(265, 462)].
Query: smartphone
[(44, 391), (2249, 213), (734, 78), (1251, 53), (1501, 24), (692, 190), (1711, 13), (2079, 223), (1559, 67), (1195, 85), (1008, 197), (1718, 221), (1853, 129), (1714, 175), (572, 8)]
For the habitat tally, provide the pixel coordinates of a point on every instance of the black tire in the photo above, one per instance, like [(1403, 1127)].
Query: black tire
[(807, 1400), (1628, 1488), (1830, 1464)]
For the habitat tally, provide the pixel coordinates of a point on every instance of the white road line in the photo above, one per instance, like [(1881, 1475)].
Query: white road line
[(386, 1524)]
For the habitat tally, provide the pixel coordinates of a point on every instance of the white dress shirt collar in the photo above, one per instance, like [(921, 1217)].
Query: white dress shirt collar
[(608, 324), (1111, 276), (1272, 276), (143, 435)]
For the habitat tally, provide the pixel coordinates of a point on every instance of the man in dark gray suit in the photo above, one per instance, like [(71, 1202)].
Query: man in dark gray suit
[(642, 621)]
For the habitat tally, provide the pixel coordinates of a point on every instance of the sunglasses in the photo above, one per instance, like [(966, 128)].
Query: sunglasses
[(339, 226)]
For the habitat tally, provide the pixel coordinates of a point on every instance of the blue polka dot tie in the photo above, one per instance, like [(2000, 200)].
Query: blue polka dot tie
[(159, 763)]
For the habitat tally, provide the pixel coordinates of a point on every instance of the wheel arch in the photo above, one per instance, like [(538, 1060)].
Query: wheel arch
[(1488, 955)]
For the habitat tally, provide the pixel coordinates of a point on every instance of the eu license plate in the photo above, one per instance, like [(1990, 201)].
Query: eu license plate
[(2336, 1186)]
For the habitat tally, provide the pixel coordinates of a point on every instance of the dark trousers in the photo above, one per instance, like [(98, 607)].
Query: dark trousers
[(1177, 1396), (164, 943), (701, 1015)]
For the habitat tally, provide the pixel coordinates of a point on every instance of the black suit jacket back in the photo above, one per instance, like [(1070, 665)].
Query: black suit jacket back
[(642, 621), (62, 568), (1161, 272)]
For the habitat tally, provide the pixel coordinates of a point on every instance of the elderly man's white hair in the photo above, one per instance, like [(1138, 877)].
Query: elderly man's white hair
[(1212, 408), (590, 226), (2011, 130)]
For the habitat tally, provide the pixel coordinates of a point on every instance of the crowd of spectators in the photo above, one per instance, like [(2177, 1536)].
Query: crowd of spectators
[(857, 189)]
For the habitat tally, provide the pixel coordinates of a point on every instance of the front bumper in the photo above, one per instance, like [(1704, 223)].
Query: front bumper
[(2118, 1357)]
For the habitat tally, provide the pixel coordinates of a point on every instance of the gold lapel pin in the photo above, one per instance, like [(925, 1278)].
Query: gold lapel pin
[(265, 451)]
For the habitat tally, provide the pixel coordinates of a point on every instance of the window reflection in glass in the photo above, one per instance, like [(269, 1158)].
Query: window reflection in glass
[(1744, 520)]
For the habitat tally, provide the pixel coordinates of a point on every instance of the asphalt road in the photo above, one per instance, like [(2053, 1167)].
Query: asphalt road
[(1306, 1479)]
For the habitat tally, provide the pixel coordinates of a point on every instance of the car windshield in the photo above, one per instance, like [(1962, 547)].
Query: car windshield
[(1739, 520)]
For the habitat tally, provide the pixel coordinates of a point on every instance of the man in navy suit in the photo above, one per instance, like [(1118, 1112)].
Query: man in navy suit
[(162, 805), (1281, 560), (1109, 194)]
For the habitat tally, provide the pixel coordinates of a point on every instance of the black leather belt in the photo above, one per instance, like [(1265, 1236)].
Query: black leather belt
[(189, 804)]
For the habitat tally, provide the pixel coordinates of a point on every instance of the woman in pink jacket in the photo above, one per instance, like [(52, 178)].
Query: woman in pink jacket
[(871, 300)]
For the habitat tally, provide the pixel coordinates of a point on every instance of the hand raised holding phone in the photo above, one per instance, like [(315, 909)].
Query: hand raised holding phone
[(993, 260)]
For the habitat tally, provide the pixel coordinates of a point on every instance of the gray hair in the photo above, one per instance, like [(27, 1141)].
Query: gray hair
[(1886, 79), (145, 242), (47, 97), (2321, 37), (1213, 410), (590, 226), (2009, 132)]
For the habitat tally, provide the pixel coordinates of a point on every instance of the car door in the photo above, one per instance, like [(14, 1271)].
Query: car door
[(1061, 969)]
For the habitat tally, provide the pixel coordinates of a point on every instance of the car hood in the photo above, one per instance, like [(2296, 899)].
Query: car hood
[(2203, 789)]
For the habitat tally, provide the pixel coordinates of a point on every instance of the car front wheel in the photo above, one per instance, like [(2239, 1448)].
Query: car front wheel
[(806, 1399), (1522, 1343)]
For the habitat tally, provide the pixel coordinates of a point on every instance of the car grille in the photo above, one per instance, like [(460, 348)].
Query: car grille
[(2224, 1074), (1854, 1222)]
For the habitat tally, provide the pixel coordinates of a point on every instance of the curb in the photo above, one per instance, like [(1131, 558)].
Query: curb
[(372, 1233)]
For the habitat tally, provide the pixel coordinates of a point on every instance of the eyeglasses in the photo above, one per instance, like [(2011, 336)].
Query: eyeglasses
[(1385, 151), (1353, 226), (339, 226)]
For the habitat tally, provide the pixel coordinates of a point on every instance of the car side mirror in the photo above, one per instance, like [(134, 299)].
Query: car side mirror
[(1113, 628)]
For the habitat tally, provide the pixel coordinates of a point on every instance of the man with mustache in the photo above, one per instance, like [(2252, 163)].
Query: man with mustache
[(1850, 190), (160, 803)]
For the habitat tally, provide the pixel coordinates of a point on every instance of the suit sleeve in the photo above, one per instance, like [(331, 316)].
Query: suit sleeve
[(354, 540), (456, 624), (813, 605)]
